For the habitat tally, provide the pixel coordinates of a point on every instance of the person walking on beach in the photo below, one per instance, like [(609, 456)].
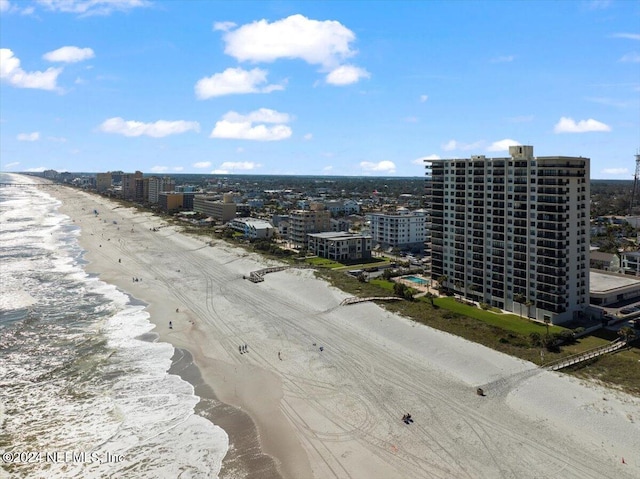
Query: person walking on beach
[(279, 357), (170, 325)]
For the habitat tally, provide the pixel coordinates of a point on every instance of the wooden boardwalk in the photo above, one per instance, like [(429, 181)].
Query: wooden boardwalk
[(258, 276), (356, 299), (585, 356)]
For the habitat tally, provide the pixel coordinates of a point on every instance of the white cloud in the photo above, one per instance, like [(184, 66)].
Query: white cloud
[(502, 145), (615, 171), (178, 168), (456, 145), (568, 125), (628, 36), (11, 165), (264, 115), (325, 43), (241, 127), (35, 136), (219, 172), (308, 136), (224, 26), (611, 102), (346, 75), (327, 169), (239, 165), (633, 57), (11, 72), (245, 131), (450, 145), (37, 169), (4, 5), (158, 129), (423, 98), (386, 166), (92, 7), (598, 4), (69, 54), (503, 59), (420, 161), (233, 81), (202, 164), (159, 169)]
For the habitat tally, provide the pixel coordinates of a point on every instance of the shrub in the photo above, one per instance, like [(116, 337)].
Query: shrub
[(536, 339), (550, 343)]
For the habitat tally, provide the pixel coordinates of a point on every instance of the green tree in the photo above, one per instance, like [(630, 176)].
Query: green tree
[(536, 339), (430, 296), (626, 333)]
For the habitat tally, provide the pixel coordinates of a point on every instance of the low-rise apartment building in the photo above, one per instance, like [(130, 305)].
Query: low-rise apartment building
[(403, 230), (252, 228), (340, 246)]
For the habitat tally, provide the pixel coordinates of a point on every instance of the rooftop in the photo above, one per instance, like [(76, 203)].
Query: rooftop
[(603, 282)]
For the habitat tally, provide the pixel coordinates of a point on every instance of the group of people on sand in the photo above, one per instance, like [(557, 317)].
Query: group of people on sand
[(135, 280), (407, 418), (243, 348)]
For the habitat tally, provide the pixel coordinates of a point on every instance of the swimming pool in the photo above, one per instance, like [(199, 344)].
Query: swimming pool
[(416, 280)]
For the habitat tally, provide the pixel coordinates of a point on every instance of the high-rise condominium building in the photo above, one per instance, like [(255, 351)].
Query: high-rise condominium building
[(513, 232)]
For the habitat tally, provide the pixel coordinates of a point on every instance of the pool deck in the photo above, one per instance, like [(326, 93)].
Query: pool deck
[(422, 288)]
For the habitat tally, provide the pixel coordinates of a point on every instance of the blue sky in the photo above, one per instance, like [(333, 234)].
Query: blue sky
[(315, 88)]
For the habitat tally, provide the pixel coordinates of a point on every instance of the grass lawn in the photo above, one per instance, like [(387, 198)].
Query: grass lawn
[(383, 283), (323, 263), (508, 322)]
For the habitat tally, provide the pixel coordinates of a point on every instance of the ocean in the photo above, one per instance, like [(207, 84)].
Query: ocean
[(84, 384)]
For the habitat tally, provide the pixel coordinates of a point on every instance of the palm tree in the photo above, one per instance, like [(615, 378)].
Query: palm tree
[(519, 298), (429, 297), (547, 320), (442, 281), (458, 285), (528, 304)]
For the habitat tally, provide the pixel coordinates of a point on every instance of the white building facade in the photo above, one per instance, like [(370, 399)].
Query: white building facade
[(403, 230), (252, 228), (513, 231)]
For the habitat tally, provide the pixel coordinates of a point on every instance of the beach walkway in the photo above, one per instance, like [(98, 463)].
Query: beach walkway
[(585, 356)]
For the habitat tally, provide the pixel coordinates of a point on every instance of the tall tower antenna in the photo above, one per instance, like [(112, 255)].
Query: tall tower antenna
[(635, 194)]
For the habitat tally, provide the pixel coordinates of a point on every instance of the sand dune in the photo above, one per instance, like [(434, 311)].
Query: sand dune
[(337, 413)]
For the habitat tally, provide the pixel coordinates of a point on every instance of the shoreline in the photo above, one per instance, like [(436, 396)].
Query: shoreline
[(246, 456), (337, 413), (247, 452)]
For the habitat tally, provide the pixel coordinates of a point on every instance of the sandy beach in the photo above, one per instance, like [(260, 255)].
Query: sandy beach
[(296, 412)]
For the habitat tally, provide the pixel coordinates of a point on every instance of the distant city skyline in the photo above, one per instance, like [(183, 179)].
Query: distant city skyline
[(315, 88)]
